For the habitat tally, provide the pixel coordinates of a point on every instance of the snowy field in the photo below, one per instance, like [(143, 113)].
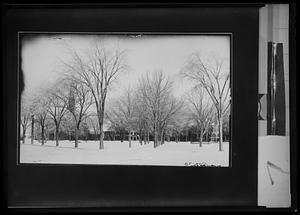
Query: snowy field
[(115, 152)]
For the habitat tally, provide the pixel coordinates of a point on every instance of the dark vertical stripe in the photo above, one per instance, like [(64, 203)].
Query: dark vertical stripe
[(280, 92), (269, 118)]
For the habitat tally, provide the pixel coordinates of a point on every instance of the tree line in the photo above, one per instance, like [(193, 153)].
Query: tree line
[(79, 97)]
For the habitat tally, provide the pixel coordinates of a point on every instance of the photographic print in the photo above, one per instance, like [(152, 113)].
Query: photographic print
[(125, 99)]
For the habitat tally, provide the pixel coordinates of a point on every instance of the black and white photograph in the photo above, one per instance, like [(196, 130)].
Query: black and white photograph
[(125, 99), (150, 107)]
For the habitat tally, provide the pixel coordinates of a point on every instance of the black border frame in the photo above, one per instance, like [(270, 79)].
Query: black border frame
[(244, 182)]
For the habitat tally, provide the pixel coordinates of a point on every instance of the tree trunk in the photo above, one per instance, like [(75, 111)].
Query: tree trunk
[(69, 135), (121, 136), (43, 134), (220, 134), (76, 137), (57, 136), (200, 138), (155, 135), (129, 138), (158, 139), (148, 135), (101, 142), (155, 138), (163, 138), (24, 135), (32, 128), (145, 136), (186, 135), (140, 137)]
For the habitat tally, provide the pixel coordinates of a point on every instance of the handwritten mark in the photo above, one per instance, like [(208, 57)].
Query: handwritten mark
[(269, 164)]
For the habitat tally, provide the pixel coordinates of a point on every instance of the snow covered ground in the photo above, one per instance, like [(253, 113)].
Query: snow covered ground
[(115, 152)]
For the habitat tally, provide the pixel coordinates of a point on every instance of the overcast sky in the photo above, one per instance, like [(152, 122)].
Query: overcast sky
[(41, 56)]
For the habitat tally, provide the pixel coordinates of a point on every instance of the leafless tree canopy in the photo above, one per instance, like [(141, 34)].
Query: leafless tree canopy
[(79, 101), (214, 78), (123, 113), (155, 92), (97, 71), (57, 106), (200, 111)]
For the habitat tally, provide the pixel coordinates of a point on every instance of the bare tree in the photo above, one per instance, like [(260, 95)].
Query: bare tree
[(25, 118), (98, 70), (201, 112), (79, 101), (116, 122), (85, 128), (155, 92), (41, 115), (169, 108), (142, 118), (150, 91), (176, 126), (37, 108), (57, 107), (124, 110), (215, 80), (41, 103), (68, 124), (226, 125), (92, 122), (141, 123)]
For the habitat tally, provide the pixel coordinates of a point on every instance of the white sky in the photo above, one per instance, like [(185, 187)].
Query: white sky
[(41, 56)]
